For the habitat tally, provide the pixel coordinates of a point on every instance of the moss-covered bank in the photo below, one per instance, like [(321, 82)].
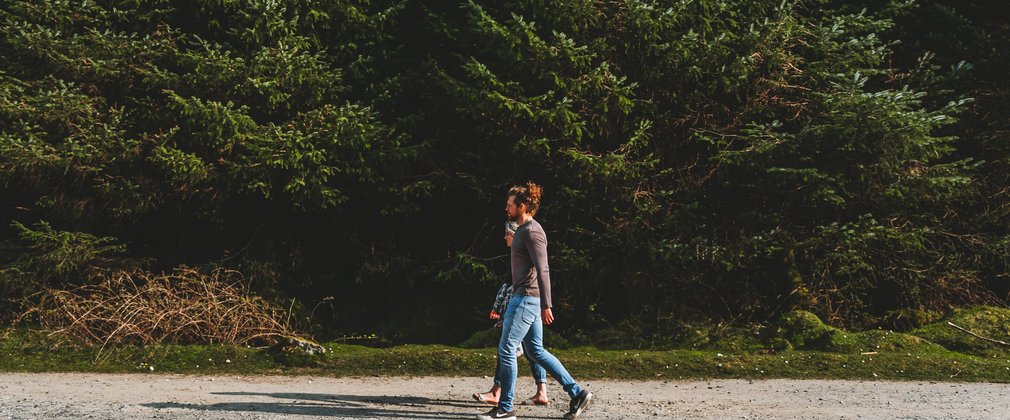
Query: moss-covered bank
[(800, 346)]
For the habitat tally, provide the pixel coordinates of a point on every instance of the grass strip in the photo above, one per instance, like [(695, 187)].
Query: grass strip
[(22, 351)]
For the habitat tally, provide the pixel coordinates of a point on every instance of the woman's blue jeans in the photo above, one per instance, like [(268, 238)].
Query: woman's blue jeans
[(523, 326)]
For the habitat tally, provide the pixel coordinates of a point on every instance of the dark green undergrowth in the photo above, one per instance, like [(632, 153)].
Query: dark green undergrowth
[(799, 346)]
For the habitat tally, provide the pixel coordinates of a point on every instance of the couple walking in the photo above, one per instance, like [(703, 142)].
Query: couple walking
[(529, 309)]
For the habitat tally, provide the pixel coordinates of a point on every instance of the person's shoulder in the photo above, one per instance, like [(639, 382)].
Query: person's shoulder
[(535, 225), (535, 229)]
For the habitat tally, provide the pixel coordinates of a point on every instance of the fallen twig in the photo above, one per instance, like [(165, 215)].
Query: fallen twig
[(991, 340)]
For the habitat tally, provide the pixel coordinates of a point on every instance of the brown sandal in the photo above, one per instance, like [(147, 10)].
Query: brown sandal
[(479, 396), (531, 401)]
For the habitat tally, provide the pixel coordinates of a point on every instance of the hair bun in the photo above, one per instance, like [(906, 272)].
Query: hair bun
[(528, 195), (535, 192)]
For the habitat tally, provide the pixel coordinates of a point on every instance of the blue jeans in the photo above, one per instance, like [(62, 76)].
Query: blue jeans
[(523, 326), (539, 374)]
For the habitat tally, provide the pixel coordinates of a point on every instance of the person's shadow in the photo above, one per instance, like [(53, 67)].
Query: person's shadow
[(329, 405)]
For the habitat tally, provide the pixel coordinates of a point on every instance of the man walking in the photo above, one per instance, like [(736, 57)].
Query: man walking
[(529, 308)]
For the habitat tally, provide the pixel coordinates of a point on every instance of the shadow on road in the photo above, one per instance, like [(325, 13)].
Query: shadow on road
[(328, 405)]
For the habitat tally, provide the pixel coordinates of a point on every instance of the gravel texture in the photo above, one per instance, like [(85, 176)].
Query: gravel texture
[(155, 396)]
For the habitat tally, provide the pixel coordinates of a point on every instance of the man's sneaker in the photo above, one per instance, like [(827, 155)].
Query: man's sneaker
[(497, 414), (579, 404)]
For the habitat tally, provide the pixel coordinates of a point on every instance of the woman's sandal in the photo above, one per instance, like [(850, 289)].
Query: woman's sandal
[(480, 397), (531, 401)]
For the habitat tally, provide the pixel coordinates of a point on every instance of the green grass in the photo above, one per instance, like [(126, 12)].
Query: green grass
[(799, 347)]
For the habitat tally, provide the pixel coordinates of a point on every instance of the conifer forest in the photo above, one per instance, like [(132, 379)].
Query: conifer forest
[(342, 165)]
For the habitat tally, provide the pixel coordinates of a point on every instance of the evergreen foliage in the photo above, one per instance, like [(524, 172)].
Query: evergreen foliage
[(722, 159)]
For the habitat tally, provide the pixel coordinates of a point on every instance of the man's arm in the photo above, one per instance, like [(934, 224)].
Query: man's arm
[(537, 247)]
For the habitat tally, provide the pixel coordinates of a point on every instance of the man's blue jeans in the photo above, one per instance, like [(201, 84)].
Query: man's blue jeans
[(523, 324), (539, 374)]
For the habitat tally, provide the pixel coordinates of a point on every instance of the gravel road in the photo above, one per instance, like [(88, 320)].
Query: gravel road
[(135, 396)]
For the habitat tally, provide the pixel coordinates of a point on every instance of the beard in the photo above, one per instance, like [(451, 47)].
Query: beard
[(512, 217)]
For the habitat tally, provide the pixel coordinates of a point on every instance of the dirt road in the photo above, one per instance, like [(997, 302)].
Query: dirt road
[(100, 396)]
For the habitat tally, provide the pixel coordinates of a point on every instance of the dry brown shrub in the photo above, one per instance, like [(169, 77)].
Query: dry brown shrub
[(184, 307)]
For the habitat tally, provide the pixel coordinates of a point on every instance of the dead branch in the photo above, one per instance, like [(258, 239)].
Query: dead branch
[(991, 340)]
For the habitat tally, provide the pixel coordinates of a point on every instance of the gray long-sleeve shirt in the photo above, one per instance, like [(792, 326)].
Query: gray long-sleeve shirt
[(530, 274)]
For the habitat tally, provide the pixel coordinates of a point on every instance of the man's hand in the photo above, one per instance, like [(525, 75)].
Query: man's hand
[(548, 316), (494, 315)]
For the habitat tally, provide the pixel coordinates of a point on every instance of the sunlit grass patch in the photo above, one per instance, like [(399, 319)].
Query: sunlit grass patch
[(799, 347), (987, 321)]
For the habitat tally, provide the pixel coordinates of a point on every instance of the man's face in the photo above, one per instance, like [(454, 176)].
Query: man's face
[(511, 210), (508, 239)]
